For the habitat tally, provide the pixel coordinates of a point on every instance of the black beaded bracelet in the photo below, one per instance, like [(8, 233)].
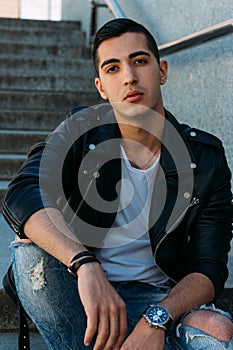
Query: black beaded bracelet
[(82, 254), (73, 267)]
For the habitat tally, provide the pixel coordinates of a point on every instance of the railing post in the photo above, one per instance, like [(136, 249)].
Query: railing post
[(93, 18), (113, 8)]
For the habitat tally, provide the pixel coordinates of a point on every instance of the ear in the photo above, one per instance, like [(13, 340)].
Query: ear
[(99, 87), (163, 72)]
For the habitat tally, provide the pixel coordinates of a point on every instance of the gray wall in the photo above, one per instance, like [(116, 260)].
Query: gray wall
[(200, 83)]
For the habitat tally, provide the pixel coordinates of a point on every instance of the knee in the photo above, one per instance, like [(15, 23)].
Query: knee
[(210, 322)]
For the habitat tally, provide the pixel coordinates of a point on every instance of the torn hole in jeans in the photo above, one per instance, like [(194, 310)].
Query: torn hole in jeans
[(191, 333), (37, 276)]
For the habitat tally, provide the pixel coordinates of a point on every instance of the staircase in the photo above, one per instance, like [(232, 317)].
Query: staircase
[(44, 71)]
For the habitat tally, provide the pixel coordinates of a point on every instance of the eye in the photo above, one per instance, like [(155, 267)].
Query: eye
[(140, 61), (111, 69)]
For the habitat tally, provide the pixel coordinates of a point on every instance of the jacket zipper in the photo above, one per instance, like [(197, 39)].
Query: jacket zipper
[(194, 201), (95, 175)]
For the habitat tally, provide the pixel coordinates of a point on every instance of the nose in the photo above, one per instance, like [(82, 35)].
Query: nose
[(130, 77)]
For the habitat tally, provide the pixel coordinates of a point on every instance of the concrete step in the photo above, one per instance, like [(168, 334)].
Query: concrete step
[(51, 65), (6, 237), (31, 119), (10, 49), (3, 188), (45, 70), (9, 314), (45, 81), (16, 23), (43, 36), (17, 141), (48, 101), (9, 320), (10, 164), (9, 341)]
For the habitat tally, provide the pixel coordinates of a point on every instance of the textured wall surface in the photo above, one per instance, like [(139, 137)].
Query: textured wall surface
[(200, 82)]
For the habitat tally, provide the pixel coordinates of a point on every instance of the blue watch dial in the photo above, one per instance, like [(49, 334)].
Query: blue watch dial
[(157, 314)]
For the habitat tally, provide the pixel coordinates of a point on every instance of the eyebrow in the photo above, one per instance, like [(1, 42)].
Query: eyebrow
[(132, 55), (139, 53)]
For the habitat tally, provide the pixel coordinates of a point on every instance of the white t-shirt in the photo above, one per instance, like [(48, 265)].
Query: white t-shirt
[(126, 253)]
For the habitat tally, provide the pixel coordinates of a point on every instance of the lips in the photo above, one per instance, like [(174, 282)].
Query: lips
[(133, 96)]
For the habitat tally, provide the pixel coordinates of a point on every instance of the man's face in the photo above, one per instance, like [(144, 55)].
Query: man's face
[(129, 74)]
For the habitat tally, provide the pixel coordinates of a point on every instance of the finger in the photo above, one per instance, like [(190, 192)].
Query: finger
[(92, 323), (114, 329), (122, 327), (103, 332)]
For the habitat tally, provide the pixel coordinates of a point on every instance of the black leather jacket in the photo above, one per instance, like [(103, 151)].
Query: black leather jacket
[(78, 170)]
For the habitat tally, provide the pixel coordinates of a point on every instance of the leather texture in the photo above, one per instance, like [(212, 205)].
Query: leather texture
[(190, 232)]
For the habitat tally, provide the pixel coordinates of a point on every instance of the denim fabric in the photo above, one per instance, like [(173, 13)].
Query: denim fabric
[(50, 297), (189, 338)]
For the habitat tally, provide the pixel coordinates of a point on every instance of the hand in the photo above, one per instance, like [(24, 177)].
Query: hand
[(105, 310), (145, 337)]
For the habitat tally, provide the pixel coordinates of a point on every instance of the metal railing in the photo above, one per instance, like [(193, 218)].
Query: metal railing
[(113, 7), (197, 38), (185, 42)]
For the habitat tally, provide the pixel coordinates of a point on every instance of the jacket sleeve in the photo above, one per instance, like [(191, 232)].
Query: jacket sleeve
[(38, 184), (211, 234)]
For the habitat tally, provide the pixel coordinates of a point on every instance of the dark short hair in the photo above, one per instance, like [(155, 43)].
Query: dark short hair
[(117, 27)]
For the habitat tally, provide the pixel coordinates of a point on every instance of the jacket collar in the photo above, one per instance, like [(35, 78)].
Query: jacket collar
[(176, 154), (106, 130)]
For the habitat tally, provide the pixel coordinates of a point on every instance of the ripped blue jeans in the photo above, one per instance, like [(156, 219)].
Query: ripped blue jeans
[(50, 297)]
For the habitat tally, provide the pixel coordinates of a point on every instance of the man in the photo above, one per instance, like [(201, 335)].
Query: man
[(136, 205)]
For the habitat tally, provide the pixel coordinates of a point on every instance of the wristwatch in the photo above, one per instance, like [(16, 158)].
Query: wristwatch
[(158, 316)]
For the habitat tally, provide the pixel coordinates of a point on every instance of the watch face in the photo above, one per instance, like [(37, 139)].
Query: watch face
[(157, 314)]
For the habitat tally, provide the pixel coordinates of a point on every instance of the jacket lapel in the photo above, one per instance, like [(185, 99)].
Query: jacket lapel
[(174, 182)]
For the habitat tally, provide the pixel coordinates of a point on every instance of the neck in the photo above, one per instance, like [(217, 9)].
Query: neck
[(148, 134), (142, 147), (141, 134)]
